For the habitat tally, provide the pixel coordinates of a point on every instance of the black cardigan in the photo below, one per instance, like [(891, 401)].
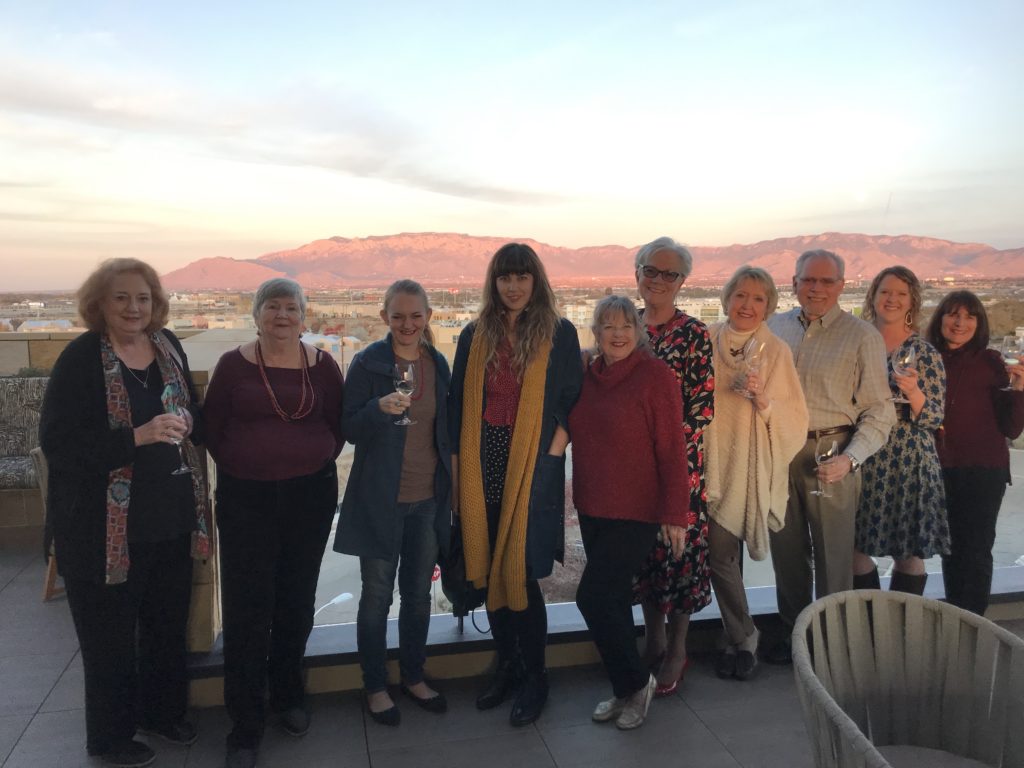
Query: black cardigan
[(545, 530), (81, 450)]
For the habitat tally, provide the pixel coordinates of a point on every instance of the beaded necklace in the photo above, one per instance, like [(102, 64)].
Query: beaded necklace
[(300, 412)]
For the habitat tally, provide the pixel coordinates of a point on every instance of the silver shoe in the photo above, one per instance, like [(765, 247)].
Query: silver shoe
[(608, 710), (635, 711)]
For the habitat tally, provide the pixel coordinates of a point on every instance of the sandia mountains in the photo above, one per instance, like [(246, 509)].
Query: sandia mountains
[(443, 259)]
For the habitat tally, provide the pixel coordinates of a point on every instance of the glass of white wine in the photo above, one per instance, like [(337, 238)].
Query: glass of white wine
[(1010, 349), (824, 450), (405, 383), (902, 361)]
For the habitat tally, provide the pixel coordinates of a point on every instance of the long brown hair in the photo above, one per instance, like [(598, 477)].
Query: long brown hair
[(411, 288), (536, 324), (954, 302)]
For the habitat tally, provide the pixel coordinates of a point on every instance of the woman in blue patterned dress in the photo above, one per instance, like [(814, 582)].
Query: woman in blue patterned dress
[(902, 512), (672, 585)]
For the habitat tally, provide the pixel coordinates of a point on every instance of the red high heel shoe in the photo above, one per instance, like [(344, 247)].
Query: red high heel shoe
[(661, 691)]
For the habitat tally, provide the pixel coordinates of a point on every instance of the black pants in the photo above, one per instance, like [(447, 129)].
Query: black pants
[(132, 637), (615, 551), (272, 539), (522, 634), (973, 498)]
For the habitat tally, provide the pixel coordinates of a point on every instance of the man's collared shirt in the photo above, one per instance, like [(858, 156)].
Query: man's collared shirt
[(842, 367)]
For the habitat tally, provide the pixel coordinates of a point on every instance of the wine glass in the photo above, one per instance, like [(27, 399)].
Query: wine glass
[(824, 450), (171, 406), (1010, 349), (405, 383), (752, 352), (902, 361)]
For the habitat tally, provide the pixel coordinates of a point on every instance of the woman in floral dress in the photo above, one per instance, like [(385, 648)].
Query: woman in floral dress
[(902, 512), (671, 586)]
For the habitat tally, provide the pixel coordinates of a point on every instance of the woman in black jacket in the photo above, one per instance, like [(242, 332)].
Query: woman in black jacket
[(516, 376), (126, 518), (397, 505)]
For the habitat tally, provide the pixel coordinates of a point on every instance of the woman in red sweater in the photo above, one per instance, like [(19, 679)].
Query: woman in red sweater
[(981, 413), (629, 482)]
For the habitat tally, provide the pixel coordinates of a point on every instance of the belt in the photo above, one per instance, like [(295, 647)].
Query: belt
[(814, 434)]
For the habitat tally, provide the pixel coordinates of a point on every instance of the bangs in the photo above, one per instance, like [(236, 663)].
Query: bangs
[(514, 261)]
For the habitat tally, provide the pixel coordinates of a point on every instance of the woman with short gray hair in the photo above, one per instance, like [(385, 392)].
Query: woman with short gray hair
[(629, 398), (273, 411)]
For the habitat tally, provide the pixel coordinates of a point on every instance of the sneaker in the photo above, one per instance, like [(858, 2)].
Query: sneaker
[(129, 754), (635, 711), (295, 721), (608, 710), (181, 732), (746, 665)]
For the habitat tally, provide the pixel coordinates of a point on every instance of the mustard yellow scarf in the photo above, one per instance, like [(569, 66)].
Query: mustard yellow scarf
[(505, 574)]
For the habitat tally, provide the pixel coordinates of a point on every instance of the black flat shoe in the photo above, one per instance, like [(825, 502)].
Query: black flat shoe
[(181, 732), (746, 665), (390, 716), (295, 721), (436, 703), (128, 754), (780, 653), (725, 666), (506, 678), (530, 702)]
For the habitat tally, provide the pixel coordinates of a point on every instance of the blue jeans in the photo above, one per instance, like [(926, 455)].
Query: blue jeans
[(417, 550)]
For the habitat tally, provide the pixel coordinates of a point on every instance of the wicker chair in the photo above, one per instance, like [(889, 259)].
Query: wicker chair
[(884, 678)]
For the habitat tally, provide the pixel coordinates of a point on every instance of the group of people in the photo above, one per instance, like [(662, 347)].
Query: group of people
[(789, 433)]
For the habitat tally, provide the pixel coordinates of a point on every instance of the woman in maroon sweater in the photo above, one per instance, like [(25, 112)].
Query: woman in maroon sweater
[(273, 411), (629, 482), (980, 415)]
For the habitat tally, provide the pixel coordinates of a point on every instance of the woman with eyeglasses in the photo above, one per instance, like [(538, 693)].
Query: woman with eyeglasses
[(984, 407), (675, 580)]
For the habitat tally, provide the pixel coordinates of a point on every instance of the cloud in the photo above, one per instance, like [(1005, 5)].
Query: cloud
[(306, 126)]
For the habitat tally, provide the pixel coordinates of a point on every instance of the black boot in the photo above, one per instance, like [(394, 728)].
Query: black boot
[(531, 699), (908, 582), (507, 677), (867, 580)]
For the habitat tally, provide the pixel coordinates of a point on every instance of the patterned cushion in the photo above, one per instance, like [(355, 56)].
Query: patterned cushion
[(20, 400), (17, 472)]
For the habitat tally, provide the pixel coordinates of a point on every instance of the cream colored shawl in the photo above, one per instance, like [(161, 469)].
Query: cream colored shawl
[(748, 454)]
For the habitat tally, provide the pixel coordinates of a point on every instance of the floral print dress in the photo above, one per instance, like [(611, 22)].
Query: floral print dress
[(902, 510), (683, 584)]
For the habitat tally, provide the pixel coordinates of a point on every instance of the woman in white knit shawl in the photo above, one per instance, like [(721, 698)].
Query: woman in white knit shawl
[(760, 425)]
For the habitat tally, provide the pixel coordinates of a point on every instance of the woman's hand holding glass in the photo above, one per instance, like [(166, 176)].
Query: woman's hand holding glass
[(394, 404), (165, 428)]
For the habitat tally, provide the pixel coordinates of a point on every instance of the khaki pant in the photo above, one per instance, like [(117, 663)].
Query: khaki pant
[(727, 580), (818, 530)]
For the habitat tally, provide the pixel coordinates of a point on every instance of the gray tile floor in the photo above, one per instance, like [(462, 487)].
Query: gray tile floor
[(708, 723)]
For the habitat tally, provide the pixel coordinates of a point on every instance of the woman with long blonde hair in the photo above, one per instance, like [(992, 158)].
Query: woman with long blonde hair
[(516, 376)]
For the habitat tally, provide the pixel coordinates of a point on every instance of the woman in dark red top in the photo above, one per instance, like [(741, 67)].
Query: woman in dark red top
[(980, 415), (629, 482), (274, 415), (516, 376)]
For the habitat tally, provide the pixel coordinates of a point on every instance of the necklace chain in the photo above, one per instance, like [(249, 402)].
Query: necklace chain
[(144, 382), (303, 410)]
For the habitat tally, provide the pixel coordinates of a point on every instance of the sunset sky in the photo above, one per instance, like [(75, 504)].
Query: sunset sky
[(177, 131)]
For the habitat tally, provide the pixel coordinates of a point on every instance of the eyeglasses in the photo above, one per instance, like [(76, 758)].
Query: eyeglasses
[(824, 282), (667, 275)]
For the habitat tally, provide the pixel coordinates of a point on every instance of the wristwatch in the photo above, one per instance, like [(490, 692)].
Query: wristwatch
[(854, 464)]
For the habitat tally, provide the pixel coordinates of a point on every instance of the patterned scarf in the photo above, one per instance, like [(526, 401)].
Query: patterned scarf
[(505, 575), (119, 415)]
